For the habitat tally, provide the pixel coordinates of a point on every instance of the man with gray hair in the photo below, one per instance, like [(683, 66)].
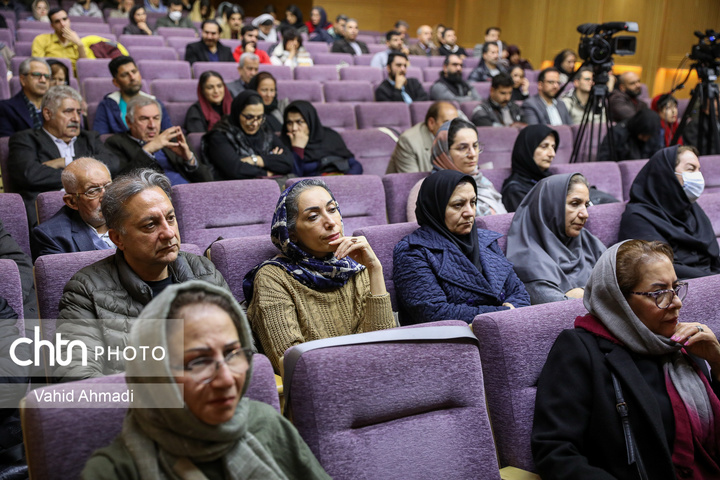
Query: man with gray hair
[(248, 66), (23, 110), (37, 157), (101, 302), (349, 43), (146, 145)]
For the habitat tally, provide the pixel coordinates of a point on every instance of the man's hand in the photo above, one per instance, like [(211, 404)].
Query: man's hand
[(298, 139), (71, 36), (400, 81), (173, 139), (58, 163)]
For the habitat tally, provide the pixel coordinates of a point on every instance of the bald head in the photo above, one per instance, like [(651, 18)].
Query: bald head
[(630, 84), (84, 181), (74, 174), (439, 113)]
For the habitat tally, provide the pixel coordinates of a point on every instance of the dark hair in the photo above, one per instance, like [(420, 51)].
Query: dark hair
[(247, 28), (291, 201), (631, 255), (55, 63), (446, 62), (53, 11), (489, 29), (401, 23), (447, 29), (685, 148), (232, 10), (175, 2), (254, 83), (291, 33), (118, 62), (392, 33), (434, 110), (124, 187), (502, 80), (457, 124), (486, 46), (393, 55), (644, 122), (269, 8), (541, 77), (560, 58), (211, 22), (583, 70), (133, 11), (207, 75), (342, 17)]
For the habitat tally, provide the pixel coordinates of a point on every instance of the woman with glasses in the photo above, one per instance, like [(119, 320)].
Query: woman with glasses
[(214, 101), (242, 146), (663, 206), (322, 284), (449, 268), (264, 83), (199, 424), (456, 147), (552, 252), (630, 355)]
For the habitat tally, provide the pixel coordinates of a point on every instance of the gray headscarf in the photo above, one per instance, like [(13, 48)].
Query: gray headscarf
[(165, 443)]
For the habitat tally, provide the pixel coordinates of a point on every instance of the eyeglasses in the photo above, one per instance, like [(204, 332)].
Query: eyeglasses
[(39, 75), (94, 192), (664, 298), (204, 369), (253, 118), (463, 148)]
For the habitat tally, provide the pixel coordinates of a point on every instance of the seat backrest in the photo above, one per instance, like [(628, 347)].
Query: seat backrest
[(317, 73), (152, 53), (228, 70), (497, 223), (300, 90), (349, 91), (710, 165), (140, 40), (628, 171), (496, 175), (565, 149), (710, 203), (397, 189), (176, 32), (154, 69), (175, 90), (605, 176), (514, 345), (371, 147), (584, 153), (315, 48), (48, 204), (499, 143), (604, 222), (368, 74), (395, 115), (418, 110), (14, 218), (11, 290), (234, 208), (338, 116), (280, 72), (177, 112), (424, 418), (90, 68)]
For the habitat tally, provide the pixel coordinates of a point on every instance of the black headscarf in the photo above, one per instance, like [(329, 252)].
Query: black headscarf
[(323, 141), (270, 119), (244, 144), (432, 201), (295, 10), (644, 122)]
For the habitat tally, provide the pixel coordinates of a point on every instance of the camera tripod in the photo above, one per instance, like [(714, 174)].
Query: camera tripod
[(706, 93)]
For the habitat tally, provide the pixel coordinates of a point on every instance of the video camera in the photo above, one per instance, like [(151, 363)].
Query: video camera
[(598, 44), (707, 49)]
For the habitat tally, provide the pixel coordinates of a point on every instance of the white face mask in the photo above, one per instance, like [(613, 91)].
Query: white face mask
[(175, 16), (693, 184)]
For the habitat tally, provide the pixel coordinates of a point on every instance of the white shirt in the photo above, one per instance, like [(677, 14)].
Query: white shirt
[(67, 150), (553, 113)]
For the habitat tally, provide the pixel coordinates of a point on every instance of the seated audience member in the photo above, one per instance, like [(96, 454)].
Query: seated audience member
[(39, 9), (23, 110), (209, 48), (142, 223), (59, 73), (413, 150), (319, 29), (394, 42), (449, 268), (62, 43), (492, 35), (424, 45), (514, 58), (630, 348), (349, 43), (663, 206), (248, 67), (86, 8), (266, 28), (214, 101), (138, 22), (123, 9), (174, 17), (456, 147), (202, 10), (576, 102), (437, 34), (706, 142), (293, 19), (402, 27), (552, 252), (532, 155), (521, 85), (637, 138), (155, 6), (251, 47), (489, 65), (232, 23), (499, 110), (623, 102), (316, 150), (146, 145), (324, 284), (449, 44), (666, 106), (290, 52), (544, 107), (241, 145), (339, 26), (264, 84), (565, 64), (451, 86), (236, 431), (112, 110), (37, 157), (398, 87), (10, 250)]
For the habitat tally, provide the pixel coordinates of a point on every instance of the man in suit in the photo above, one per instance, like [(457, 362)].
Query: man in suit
[(412, 152), (23, 110), (544, 107), (79, 226), (499, 110), (349, 44), (37, 157), (209, 49), (424, 45), (398, 87), (248, 67)]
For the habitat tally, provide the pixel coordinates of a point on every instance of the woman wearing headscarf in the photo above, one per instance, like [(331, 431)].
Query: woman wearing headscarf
[(666, 106), (663, 206), (138, 22), (241, 145), (637, 138), (198, 424), (553, 254), (448, 268), (631, 351), (264, 83), (214, 101), (318, 27), (317, 150), (514, 58), (294, 19), (322, 284)]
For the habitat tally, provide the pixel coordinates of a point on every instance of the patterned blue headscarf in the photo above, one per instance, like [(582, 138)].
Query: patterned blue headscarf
[(319, 274)]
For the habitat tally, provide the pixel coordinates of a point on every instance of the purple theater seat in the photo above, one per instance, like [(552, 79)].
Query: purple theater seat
[(628, 171), (91, 112), (48, 204), (369, 38), (332, 58), (482, 88), (514, 345), (175, 91), (603, 175), (314, 48), (393, 115), (90, 68), (372, 148), (431, 74), (25, 24), (140, 40), (280, 72), (14, 216), (23, 49), (235, 208), (422, 418), (11, 290), (7, 37), (317, 73), (586, 154), (169, 32), (418, 110), (367, 74), (382, 239), (264, 45), (499, 143), (564, 152), (496, 175), (710, 203), (436, 61), (228, 70), (604, 222), (397, 189), (710, 165), (361, 199), (179, 44), (682, 106), (235, 257), (4, 154), (468, 107), (167, 69), (338, 116), (416, 73), (470, 63), (178, 111), (152, 53), (362, 60), (532, 75), (419, 61), (497, 223), (376, 48), (194, 140), (300, 90), (350, 91)]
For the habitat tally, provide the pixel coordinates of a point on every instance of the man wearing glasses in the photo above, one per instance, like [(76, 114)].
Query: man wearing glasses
[(23, 110), (544, 108), (79, 226)]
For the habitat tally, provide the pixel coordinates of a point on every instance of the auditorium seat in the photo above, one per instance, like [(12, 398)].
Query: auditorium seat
[(497, 223), (431, 74), (314, 48), (710, 203), (178, 111), (397, 189), (23, 49), (371, 147), (280, 72), (140, 40), (416, 73), (168, 32), (436, 61), (300, 90), (332, 59), (710, 167), (584, 155), (394, 115), (482, 88), (317, 73), (419, 61), (175, 90), (228, 70), (362, 60), (604, 222), (14, 216), (468, 107), (338, 116), (367, 74), (48, 204), (499, 143), (628, 171), (603, 175), (349, 91), (152, 53), (235, 257), (167, 69), (496, 175), (11, 290), (91, 68), (179, 44), (418, 110)]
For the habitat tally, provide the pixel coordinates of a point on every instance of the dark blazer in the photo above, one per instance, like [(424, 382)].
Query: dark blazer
[(132, 156), (14, 116), (65, 232), (10, 250), (535, 112), (388, 93), (343, 46), (198, 52)]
